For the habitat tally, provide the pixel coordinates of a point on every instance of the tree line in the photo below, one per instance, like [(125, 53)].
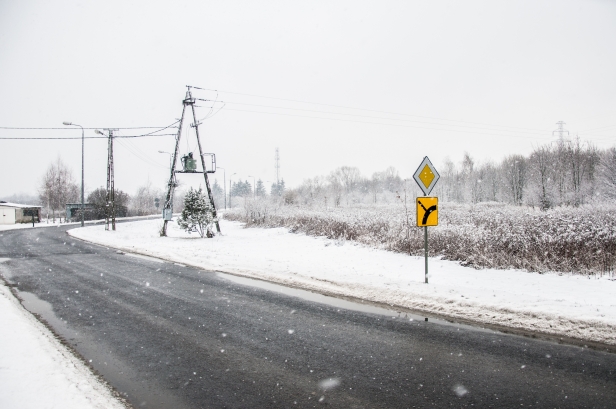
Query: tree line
[(559, 174), (58, 188), (566, 173)]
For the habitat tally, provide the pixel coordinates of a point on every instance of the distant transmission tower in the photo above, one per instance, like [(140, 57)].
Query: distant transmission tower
[(277, 159), (561, 131)]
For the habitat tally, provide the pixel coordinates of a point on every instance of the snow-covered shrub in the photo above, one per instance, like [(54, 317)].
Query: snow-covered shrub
[(197, 215), (565, 239)]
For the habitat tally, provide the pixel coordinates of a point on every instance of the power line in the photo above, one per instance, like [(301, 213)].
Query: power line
[(495, 133), (597, 129), (85, 137), (365, 109), (140, 154), (18, 128), (380, 117)]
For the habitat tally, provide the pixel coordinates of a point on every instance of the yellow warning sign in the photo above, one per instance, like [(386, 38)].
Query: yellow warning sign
[(426, 176), (427, 211)]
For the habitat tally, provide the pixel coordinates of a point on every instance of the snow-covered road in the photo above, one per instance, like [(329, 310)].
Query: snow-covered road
[(557, 304)]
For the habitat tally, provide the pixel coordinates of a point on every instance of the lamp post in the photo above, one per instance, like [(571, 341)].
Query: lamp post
[(230, 189), (170, 157), (224, 183), (254, 187), (82, 163)]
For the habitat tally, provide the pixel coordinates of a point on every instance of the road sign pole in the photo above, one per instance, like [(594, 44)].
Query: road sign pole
[(426, 177), (426, 250)]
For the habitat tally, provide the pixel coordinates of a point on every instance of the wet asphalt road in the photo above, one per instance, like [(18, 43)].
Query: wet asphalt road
[(168, 336)]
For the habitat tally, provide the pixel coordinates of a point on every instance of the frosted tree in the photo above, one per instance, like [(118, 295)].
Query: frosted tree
[(608, 173), (260, 188), (58, 188), (197, 215), (514, 168), (143, 202)]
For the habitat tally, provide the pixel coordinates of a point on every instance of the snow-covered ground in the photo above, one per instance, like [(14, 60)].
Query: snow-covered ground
[(37, 371), (562, 305)]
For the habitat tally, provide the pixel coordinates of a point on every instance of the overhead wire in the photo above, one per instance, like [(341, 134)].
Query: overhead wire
[(153, 133), (79, 137), (378, 117), (495, 133), (505, 130), (139, 154), (366, 109), (18, 128)]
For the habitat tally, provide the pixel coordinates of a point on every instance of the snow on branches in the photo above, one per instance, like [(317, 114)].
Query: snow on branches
[(197, 215)]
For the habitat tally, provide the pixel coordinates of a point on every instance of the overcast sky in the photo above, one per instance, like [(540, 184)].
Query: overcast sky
[(330, 83)]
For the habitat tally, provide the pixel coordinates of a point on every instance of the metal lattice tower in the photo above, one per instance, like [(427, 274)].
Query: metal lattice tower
[(561, 131), (168, 205)]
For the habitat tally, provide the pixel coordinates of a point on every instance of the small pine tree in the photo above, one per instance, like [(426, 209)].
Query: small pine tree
[(197, 215)]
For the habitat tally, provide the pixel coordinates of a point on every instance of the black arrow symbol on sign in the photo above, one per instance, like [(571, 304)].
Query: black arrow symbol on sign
[(427, 212)]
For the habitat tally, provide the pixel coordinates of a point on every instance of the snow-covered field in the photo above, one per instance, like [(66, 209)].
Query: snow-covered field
[(562, 305), (37, 371)]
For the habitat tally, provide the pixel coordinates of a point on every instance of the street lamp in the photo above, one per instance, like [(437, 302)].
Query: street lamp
[(254, 187), (82, 163), (230, 189), (224, 183), (170, 157)]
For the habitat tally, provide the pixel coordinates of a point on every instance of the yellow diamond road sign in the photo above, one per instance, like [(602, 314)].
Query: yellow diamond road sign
[(426, 176)]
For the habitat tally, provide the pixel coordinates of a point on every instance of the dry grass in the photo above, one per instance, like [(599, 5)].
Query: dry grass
[(577, 240)]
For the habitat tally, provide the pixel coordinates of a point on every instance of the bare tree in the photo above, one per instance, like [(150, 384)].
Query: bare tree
[(541, 167), (376, 185), (514, 169), (336, 186), (345, 180), (583, 162), (58, 188), (142, 203), (608, 173)]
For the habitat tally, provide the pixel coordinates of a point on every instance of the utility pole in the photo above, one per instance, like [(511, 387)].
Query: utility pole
[(168, 205), (110, 210)]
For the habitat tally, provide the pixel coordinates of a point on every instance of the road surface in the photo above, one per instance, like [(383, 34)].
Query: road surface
[(167, 335)]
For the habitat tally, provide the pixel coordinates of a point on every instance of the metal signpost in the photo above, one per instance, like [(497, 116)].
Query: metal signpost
[(426, 177)]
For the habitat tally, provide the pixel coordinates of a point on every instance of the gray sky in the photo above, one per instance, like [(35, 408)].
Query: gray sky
[(415, 78)]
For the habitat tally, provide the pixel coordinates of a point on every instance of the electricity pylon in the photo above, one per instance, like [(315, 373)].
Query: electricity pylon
[(168, 205)]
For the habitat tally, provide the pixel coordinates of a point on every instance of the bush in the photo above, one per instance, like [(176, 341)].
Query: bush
[(494, 235), (197, 215)]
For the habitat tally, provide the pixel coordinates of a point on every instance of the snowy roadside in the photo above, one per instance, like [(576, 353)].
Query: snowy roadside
[(37, 371), (560, 305)]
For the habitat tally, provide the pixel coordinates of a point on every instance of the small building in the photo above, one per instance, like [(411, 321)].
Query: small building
[(73, 211), (12, 213)]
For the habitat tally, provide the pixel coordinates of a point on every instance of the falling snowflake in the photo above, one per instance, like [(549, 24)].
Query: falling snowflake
[(460, 390), (329, 383)]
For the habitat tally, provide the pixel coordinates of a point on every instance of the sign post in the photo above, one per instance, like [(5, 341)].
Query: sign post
[(426, 177)]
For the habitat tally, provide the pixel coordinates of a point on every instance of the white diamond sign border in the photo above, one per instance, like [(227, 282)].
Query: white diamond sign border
[(424, 162)]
